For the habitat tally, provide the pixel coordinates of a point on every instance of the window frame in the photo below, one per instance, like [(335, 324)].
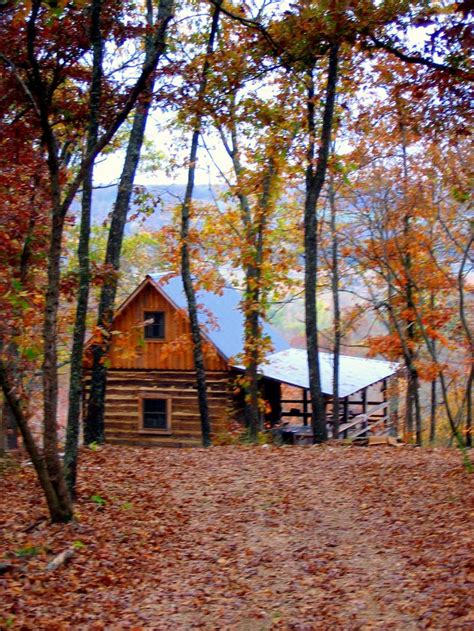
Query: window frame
[(165, 328), (141, 413)]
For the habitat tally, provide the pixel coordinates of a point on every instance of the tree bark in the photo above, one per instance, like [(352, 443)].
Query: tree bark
[(75, 385), (433, 403), (254, 231), (336, 309), (253, 306), (50, 375), (185, 258), (60, 507), (94, 419), (469, 338), (314, 183), (433, 393), (413, 392)]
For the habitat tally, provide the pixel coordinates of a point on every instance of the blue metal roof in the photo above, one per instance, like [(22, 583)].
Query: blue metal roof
[(222, 310)]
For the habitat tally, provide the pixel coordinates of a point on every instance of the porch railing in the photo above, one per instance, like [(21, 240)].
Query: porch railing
[(364, 424)]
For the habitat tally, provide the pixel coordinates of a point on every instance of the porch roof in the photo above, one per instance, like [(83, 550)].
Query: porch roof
[(355, 373)]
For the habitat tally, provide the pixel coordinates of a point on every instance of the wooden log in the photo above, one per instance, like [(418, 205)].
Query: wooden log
[(60, 559)]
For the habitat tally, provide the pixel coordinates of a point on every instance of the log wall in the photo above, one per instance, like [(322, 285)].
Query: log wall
[(130, 350), (122, 415)]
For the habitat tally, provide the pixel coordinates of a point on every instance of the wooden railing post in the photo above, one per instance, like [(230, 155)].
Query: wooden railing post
[(364, 407), (305, 407)]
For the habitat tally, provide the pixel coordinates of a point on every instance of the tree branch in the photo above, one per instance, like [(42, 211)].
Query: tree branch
[(417, 59)]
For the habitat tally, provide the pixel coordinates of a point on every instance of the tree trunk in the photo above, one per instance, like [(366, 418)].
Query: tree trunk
[(59, 504), (336, 308), (252, 337), (314, 183), (50, 374), (468, 427), (469, 338), (75, 385), (3, 427), (39, 91), (413, 399), (94, 420), (185, 258), (433, 403), (433, 393)]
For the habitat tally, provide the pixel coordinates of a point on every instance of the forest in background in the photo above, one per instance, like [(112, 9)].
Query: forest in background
[(344, 168)]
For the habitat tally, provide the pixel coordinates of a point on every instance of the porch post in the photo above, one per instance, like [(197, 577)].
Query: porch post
[(364, 406), (305, 407)]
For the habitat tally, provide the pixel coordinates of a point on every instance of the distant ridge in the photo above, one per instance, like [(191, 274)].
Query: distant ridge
[(169, 194)]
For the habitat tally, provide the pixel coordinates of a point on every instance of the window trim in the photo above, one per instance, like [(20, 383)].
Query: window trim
[(155, 339), (141, 410)]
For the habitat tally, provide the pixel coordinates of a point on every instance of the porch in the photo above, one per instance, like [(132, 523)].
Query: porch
[(365, 389)]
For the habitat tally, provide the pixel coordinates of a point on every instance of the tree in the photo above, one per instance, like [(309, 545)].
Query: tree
[(75, 384), (155, 45), (256, 131), (41, 78), (412, 236), (186, 273)]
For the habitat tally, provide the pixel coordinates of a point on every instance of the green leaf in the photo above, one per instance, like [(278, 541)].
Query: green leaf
[(97, 499)]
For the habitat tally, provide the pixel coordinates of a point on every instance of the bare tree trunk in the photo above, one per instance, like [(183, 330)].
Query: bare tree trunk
[(185, 259), (433, 403), (433, 393), (468, 426), (155, 47), (469, 337), (60, 508), (314, 183), (50, 374), (3, 427), (75, 385), (336, 309)]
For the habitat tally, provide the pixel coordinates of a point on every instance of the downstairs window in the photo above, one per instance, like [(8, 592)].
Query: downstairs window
[(155, 414)]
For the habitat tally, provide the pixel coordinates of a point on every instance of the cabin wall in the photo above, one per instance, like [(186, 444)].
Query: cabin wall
[(130, 350), (122, 406)]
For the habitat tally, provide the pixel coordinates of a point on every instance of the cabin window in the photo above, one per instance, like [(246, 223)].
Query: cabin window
[(155, 414), (156, 329)]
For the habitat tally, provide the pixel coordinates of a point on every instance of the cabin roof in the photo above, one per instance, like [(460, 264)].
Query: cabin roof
[(223, 325), (355, 373), (219, 315)]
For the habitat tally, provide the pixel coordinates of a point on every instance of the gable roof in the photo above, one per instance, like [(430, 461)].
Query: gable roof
[(355, 373), (224, 309)]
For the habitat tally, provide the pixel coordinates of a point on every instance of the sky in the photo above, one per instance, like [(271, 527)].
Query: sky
[(107, 170)]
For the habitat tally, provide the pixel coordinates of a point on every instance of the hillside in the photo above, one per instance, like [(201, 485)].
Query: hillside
[(167, 194)]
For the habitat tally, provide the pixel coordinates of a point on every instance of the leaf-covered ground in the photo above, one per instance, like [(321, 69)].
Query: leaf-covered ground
[(246, 538)]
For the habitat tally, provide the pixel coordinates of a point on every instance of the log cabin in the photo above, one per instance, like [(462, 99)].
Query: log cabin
[(151, 394)]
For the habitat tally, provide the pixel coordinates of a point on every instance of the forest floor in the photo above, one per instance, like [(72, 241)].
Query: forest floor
[(245, 538)]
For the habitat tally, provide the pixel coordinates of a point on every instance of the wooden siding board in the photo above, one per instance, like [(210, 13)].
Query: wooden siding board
[(122, 405), (129, 349)]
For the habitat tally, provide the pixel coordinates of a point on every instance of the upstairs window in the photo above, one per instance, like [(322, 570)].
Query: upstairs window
[(156, 329), (155, 414)]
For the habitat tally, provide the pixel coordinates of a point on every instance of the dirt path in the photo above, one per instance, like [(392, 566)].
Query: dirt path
[(262, 538)]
